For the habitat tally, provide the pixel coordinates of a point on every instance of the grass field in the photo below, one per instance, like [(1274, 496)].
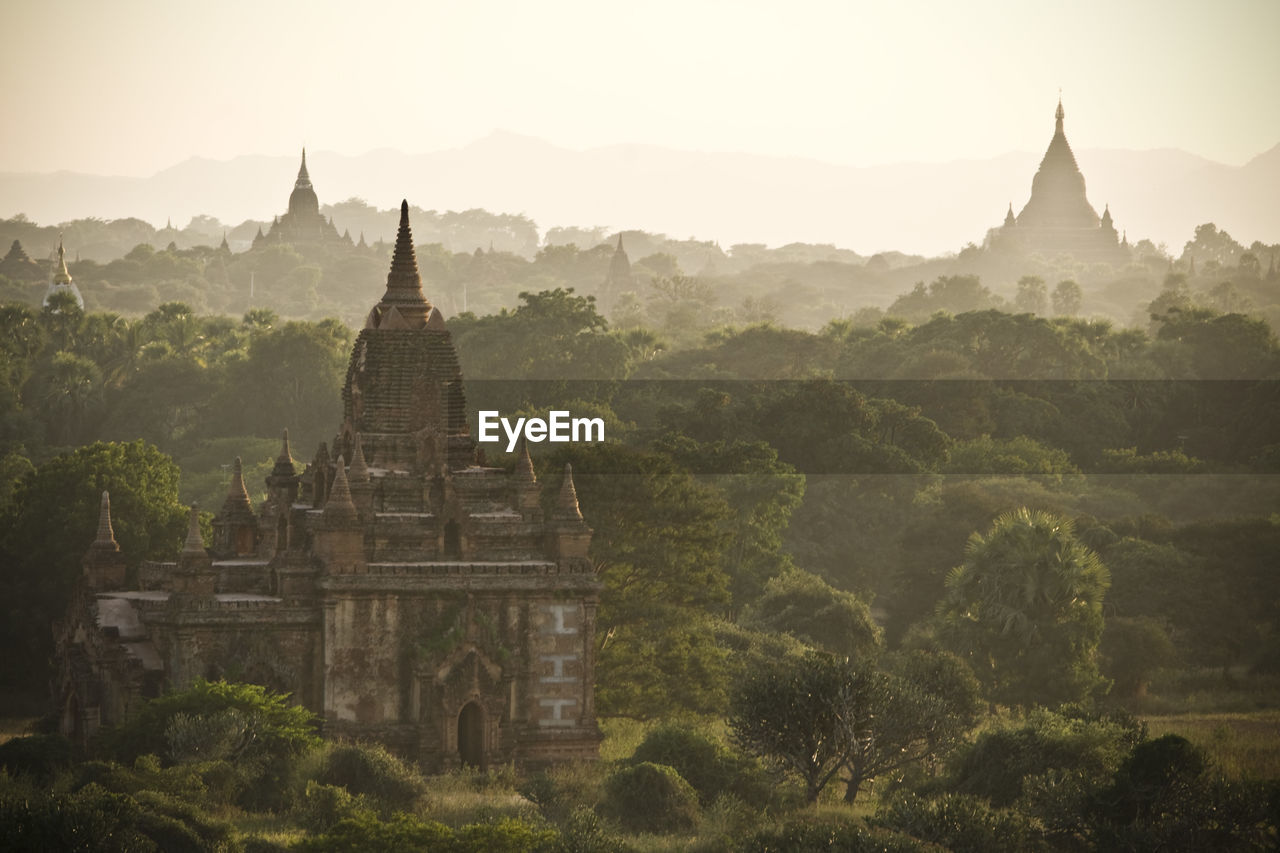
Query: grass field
[(1241, 745)]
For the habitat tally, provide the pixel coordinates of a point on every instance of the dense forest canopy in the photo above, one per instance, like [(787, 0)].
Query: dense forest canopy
[(855, 502)]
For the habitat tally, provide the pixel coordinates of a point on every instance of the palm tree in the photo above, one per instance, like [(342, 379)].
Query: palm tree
[(1026, 606)]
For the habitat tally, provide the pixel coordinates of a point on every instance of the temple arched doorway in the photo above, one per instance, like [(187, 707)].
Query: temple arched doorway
[(471, 736)]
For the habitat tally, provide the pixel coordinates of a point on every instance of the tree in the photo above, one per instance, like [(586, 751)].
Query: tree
[(1032, 296), (50, 522), (805, 606), (1067, 299), (659, 547), (1025, 607), (820, 716)]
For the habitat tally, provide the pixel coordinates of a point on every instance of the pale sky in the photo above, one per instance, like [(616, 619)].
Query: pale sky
[(134, 86)]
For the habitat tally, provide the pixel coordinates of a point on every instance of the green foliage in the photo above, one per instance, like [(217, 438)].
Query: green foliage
[(658, 545), (369, 770), (806, 834), (364, 832), (961, 823), (649, 797), (1163, 798), (820, 716), (553, 334), (1132, 649), (1025, 608), (707, 764), (257, 728), (1002, 758), (814, 612), (40, 757), (48, 525), (88, 820)]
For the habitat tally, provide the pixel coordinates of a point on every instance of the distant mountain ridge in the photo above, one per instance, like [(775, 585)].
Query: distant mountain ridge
[(922, 208)]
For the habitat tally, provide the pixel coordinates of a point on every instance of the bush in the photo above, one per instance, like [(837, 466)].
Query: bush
[(650, 797), (705, 763), (1000, 759), (563, 791), (257, 729), (961, 823), (40, 757), (324, 806), (372, 771)]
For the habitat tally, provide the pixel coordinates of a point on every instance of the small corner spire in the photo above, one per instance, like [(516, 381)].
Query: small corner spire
[(359, 468), (524, 465), (106, 538), (1059, 113), (340, 509), (567, 503), (195, 542), (237, 494)]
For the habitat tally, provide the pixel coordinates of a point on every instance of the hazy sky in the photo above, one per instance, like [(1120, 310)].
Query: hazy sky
[(131, 87)]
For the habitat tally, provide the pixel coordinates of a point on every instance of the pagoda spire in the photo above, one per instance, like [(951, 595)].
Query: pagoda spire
[(60, 273), (106, 538), (567, 503), (404, 283), (523, 473), (339, 509), (359, 468), (195, 542), (1058, 114), (237, 494)]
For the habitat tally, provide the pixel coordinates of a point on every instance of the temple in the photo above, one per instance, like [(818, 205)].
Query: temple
[(1058, 219), (302, 225), (396, 586)]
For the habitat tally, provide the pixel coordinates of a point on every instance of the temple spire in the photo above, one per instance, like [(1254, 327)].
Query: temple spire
[(404, 284), (106, 538), (304, 180), (1058, 114)]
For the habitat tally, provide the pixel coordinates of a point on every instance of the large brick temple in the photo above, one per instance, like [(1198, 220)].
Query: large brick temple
[(396, 586)]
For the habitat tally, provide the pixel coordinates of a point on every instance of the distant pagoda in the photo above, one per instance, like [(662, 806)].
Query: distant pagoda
[(1058, 218), (303, 225), (60, 279), (17, 264)]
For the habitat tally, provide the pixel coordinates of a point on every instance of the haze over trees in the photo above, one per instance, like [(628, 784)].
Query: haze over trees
[(846, 508)]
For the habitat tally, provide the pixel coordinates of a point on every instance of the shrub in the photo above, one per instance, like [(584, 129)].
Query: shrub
[(705, 763), (371, 770), (650, 797), (563, 791), (324, 806), (39, 756), (996, 764), (961, 823)]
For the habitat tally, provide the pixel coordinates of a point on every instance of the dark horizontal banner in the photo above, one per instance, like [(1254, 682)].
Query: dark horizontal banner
[(896, 427)]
